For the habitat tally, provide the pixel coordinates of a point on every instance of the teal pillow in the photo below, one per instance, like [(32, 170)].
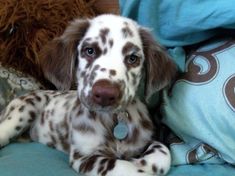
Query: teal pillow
[(200, 108), (33, 159)]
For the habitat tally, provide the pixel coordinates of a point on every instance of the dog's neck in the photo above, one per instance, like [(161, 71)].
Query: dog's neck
[(114, 121)]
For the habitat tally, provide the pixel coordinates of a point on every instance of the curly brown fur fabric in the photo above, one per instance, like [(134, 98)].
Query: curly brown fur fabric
[(26, 26)]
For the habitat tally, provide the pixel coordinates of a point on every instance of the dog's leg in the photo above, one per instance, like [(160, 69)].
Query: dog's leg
[(98, 164), (155, 160), (19, 115), (88, 156)]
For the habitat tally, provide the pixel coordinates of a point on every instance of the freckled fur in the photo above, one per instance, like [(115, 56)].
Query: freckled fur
[(72, 122)]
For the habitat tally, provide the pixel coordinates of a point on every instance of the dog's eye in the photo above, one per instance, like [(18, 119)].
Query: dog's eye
[(90, 52), (132, 59)]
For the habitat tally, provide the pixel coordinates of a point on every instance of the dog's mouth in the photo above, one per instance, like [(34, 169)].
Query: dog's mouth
[(89, 103)]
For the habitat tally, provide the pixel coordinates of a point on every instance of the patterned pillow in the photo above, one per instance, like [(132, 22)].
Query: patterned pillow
[(14, 83), (201, 106)]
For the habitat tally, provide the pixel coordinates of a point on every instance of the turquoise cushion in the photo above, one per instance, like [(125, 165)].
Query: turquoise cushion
[(177, 23), (33, 159), (202, 169), (181, 22), (200, 108)]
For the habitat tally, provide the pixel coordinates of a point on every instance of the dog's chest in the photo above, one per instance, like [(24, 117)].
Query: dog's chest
[(65, 122)]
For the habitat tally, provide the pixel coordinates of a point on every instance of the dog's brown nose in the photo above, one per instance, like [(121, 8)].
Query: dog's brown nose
[(105, 93)]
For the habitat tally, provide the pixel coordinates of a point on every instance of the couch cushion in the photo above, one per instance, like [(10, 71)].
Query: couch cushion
[(27, 159), (200, 109)]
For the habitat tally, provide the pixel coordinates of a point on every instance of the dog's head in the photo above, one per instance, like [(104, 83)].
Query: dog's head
[(109, 55)]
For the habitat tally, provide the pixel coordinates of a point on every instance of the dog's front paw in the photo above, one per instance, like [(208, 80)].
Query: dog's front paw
[(156, 159)]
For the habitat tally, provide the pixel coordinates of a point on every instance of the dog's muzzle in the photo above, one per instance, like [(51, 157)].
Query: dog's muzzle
[(105, 93)]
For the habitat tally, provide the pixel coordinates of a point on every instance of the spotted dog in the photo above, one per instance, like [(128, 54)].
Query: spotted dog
[(103, 126)]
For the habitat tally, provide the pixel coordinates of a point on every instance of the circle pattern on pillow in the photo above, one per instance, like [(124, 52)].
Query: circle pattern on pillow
[(200, 109)]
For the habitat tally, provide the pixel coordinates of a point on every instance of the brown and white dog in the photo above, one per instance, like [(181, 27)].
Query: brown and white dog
[(103, 125)]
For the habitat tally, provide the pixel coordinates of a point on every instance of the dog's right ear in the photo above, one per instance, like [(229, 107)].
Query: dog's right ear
[(160, 69), (59, 58)]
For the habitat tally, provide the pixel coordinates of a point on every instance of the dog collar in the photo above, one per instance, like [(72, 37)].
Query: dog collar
[(120, 131)]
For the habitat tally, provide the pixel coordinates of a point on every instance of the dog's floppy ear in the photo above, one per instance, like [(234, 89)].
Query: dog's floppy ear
[(160, 69), (58, 59)]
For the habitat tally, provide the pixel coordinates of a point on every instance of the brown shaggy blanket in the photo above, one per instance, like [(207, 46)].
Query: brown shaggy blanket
[(27, 25)]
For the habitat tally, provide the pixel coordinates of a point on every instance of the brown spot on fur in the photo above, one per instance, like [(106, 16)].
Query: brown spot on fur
[(143, 162), (148, 152), (21, 109), (84, 128), (161, 171), (76, 155), (101, 168), (158, 146), (134, 136), (42, 118), (38, 98), (140, 171), (18, 128), (154, 168), (12, 108), (162, 151), (82, 73), (127, 32), (65, 144), (146, 124), (80, 112), (88, 164), (92, 115), (93, 74), (128, 47), (64, 124), (103, 35), (105, 51), (112, 72), (110, 166), (134, 78), (29, 101), (51, 126), (32, 115), (30, 120), (47, 99), (103, 69), (76, 105), (103, 161), (111, 43), (53, 139), (63, 137), (105, 165)]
